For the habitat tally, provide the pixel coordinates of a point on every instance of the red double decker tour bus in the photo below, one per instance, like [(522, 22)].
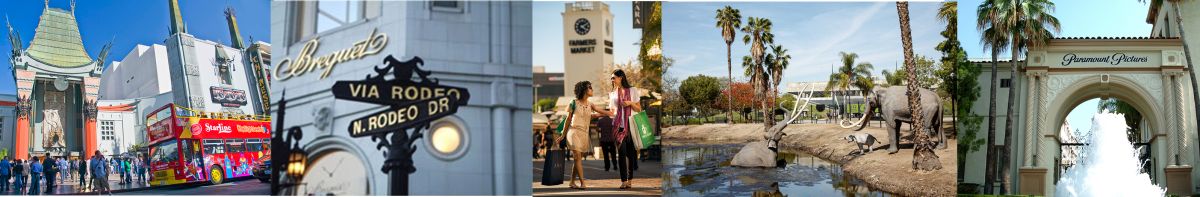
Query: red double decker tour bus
[(186, 147)]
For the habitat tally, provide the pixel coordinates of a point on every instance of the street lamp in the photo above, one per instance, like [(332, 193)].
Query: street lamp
[(296, 164)]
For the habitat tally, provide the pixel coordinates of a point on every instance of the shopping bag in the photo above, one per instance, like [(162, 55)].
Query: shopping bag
[(562, 124), (553, 168), (643, 133)]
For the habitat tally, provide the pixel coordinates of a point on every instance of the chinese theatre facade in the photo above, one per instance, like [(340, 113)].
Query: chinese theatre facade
[(57, 84)]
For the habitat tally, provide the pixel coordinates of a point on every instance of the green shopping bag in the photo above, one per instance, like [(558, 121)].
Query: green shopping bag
[(643, 134), (562, 125)]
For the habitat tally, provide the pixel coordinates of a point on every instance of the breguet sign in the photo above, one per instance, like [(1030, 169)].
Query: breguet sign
[(1105, 59), (306, 62)]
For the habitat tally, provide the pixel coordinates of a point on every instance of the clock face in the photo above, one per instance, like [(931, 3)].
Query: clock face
[(336, 173), (582, 26)]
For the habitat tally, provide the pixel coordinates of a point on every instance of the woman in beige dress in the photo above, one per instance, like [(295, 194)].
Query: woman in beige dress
[(578, 132)]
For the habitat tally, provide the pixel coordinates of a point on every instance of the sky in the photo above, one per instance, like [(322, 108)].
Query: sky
[(129, 23), (813, 32), (548, 34), (1118, 18)]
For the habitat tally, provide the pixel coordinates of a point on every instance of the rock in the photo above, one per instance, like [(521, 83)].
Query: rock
[(754, 154)]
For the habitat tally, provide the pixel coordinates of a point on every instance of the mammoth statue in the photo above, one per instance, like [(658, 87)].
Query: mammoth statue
[(892, 103), (762, 153)]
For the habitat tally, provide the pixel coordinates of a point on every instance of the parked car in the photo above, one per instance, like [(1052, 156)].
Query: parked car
[(262, 169)]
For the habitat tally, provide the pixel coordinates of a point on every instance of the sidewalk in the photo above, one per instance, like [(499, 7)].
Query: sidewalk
[(647, 180), (70, 186)]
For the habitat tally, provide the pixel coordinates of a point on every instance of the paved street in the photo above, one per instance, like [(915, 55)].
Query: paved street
[(236, 187), (647, 180)]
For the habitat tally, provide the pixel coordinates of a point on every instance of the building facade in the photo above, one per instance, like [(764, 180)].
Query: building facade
[(57, 83), (484, 47)]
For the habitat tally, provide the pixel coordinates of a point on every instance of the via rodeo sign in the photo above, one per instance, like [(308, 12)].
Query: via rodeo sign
[(413, 104)]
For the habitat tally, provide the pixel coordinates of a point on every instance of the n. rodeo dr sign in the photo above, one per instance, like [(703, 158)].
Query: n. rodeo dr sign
[(411, 102)]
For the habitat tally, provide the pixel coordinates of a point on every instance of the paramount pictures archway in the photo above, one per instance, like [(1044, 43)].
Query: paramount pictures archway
[(1147, 73)]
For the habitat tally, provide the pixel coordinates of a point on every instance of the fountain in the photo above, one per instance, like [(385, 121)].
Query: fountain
[(1108, 166)]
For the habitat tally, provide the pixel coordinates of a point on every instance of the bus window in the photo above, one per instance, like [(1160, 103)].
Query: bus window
[(167, 151), (254, 145), (236, 145), (214, 147)]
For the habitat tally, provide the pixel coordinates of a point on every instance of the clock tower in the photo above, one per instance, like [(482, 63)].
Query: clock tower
[(587, 44)]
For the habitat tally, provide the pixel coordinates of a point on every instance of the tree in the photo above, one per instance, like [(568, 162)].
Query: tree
[(925, 74), (786, 102), (700, 91), (923, 157), (546, 104), (650, 52), (989, 22), (742, 94), (633, 73), (959, 82), (777, 62), (851, 73), (1028, 23), (729, 20), (758, 36)]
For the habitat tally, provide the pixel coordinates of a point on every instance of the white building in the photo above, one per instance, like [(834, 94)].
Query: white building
[(484, 47), (143, 81), (8, 115)]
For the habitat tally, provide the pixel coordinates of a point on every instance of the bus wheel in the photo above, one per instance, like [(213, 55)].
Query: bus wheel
[(216, 176)]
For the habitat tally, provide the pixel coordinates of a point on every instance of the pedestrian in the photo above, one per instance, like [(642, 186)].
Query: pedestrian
[(50, 172), (99, 174), (35, 171), (83, 174), (63, 171), (5, 172), (19, 182), (578, 133), (126, 171), (624, 99)]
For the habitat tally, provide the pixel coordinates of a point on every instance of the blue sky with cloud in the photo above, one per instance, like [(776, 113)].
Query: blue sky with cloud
[(813, 32)]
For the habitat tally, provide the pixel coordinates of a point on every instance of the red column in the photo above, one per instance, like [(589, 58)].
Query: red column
[(25, 81), (91, 89)]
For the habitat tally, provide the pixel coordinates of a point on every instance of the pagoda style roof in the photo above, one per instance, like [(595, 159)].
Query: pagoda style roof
[(57, 42)]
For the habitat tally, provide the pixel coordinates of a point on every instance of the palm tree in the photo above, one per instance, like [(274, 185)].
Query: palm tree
[(988, 22), (948, 13), (729, 20), (851, 73), (758, 36), (1029, 24), (923, 157), (779, 60)]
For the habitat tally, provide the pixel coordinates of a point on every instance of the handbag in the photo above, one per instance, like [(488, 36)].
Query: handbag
[(554, 167), (643, 134), (562, 124)]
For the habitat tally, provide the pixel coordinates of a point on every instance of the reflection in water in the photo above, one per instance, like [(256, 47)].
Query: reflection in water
[(704, 170)]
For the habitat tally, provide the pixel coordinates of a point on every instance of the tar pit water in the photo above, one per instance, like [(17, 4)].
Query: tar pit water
[(704, 170)]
